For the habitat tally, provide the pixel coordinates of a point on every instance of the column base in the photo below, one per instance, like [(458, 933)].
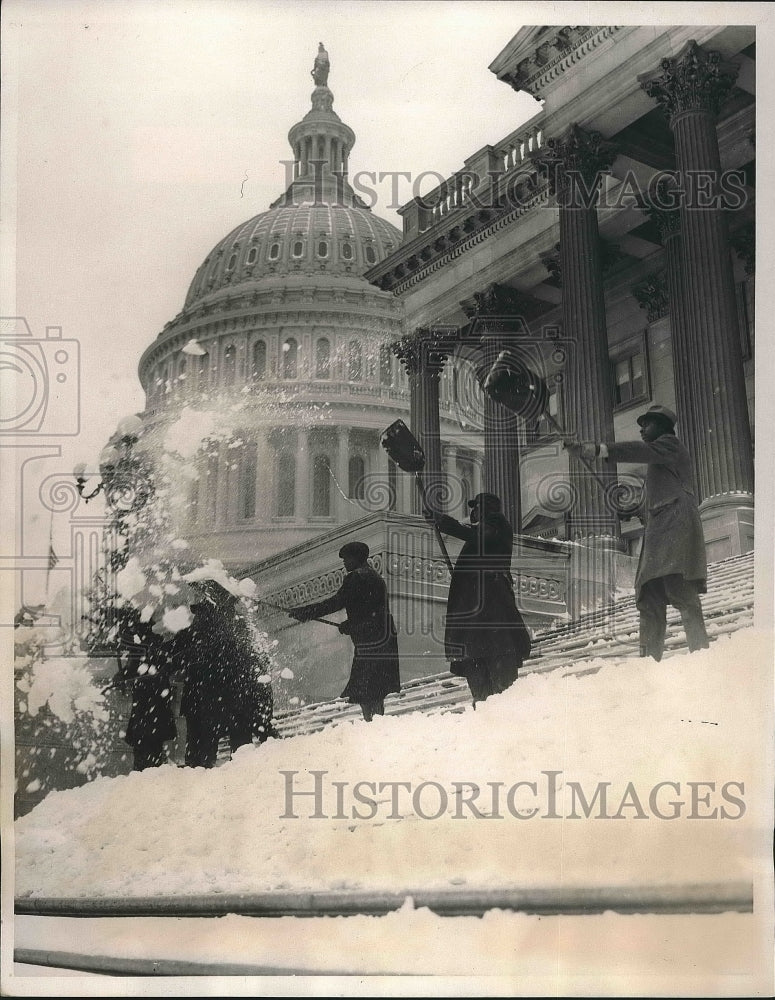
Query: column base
[(599, 571), (727, 524)]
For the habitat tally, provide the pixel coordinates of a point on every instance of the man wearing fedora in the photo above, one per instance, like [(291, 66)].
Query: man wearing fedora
[(485, 638), (672, 567), (363, 595)]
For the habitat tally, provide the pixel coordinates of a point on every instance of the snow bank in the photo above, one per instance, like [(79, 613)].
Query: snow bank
[(639, 773)]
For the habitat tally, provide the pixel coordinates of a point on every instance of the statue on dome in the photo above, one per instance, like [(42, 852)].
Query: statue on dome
[(321, 67)]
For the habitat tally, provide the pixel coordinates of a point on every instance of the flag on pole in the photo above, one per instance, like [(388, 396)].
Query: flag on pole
[(53, 558)]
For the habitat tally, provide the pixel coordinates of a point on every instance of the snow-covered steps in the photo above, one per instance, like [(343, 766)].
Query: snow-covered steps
[(577, 648)]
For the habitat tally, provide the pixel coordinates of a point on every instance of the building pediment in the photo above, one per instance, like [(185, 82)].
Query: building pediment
[(538, 56)]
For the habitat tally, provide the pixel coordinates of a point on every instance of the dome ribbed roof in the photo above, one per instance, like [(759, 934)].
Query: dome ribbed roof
[(306, 238)]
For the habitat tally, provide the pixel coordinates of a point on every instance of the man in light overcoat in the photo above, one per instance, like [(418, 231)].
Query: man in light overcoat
[(672, 568)]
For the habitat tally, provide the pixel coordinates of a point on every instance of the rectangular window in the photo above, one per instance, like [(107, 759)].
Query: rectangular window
[(630, 373)]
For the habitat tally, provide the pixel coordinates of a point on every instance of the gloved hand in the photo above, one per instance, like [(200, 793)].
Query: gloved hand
[(581, 449), (344, 628)]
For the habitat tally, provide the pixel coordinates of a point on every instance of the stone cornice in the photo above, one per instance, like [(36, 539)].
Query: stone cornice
[(534, 67), (261, 312)]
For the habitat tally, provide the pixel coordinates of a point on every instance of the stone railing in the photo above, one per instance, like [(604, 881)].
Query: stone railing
[(496, 183), (475, 186)]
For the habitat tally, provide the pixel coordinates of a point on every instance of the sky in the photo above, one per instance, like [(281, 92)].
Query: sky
[(137, 133), (248, 826)]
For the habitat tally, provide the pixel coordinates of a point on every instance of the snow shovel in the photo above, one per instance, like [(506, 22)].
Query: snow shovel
[(512, 384), (406, 451), (277, 607)]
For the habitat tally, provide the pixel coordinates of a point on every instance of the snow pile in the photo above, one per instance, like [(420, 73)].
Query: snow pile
[(636, 774)]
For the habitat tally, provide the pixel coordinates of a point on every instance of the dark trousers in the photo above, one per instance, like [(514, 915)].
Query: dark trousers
[(491, 676), (150, 755), (202, 738), (372, 708), (654, 597)]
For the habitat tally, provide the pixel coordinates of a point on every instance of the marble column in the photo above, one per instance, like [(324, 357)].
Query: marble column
[(301, 498), (575, 163), (452, 478), (344, 509), (265, 486), (686, 365), (423, 355), (496, 323), (691, 88)]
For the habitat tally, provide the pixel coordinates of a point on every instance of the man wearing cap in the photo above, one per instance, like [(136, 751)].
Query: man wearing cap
[(672, 568), (485, 637), (363, 595)]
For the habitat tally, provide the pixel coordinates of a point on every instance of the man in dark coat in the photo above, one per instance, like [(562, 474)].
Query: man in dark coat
[(145, 667), (222, 693), (363, 595), (672, 568), (485, 639)]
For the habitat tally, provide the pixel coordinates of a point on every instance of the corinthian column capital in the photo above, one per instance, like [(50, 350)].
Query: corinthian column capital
[(576, 162), (424, 352), (694, 80)]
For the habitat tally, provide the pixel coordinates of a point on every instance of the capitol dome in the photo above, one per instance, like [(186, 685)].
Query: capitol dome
[(280, 361), (295, 238)]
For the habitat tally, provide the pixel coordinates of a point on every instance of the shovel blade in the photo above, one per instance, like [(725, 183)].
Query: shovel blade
[(403, 447)]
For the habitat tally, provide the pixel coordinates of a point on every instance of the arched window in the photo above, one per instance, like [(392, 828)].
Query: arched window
[(371, 256), (385, 365), (347, 251), (232, 262), (356, 471), (354, 361), (321, 486), (181, 379), (274, 251), (298, 249), (259, 360), (286, 485), (229, 365), (247, 481), (323, 358), (252, 255), (322, 249), (290, 358)]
